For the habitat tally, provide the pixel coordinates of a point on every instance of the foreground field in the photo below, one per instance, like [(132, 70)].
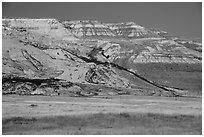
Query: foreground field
[(101, 115)]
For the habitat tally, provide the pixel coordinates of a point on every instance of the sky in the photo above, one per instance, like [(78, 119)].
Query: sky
[(177, 18)]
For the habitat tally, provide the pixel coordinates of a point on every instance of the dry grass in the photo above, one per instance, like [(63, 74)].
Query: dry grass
[(122, 123)]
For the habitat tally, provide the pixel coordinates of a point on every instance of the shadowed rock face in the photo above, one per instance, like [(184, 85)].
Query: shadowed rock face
[(145, 45), (88, 29), (86, 52), (131, 30), (97, 29)]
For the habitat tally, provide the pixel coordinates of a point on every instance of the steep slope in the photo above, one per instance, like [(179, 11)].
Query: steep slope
[(131, 30), (38, 54), (52, 56), (84, 29)]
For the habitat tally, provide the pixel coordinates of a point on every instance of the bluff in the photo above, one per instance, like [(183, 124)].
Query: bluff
[(39, 53)]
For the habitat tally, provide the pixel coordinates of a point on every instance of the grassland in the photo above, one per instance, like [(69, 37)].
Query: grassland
[(101, 115), (123, 123), (183, 76)]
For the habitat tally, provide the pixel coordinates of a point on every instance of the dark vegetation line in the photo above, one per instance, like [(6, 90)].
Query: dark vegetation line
[(140, 77), (93, 59), (34, 81), (122, 68)]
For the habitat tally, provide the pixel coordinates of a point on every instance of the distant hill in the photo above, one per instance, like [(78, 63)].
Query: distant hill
[(38, 54)]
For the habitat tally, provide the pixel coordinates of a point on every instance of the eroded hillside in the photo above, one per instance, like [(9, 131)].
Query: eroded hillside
[(86, 58)]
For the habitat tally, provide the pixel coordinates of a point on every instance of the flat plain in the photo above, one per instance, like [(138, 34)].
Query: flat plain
[(101, 115)]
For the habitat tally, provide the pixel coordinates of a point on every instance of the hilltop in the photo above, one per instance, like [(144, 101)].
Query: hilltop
[(88, 58)]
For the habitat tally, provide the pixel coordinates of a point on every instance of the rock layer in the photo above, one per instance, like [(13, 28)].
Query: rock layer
[(85, 52)]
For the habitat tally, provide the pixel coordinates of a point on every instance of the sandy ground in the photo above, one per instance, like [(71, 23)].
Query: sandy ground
[(37, 106)]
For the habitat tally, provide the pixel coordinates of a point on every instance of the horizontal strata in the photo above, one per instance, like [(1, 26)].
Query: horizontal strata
[(95, 28), (85, 51)]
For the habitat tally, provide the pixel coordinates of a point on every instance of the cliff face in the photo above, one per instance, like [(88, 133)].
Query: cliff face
[(87, 51), (88, 28), (131, 30), (119, 30), (39, 49), (153, 44)]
